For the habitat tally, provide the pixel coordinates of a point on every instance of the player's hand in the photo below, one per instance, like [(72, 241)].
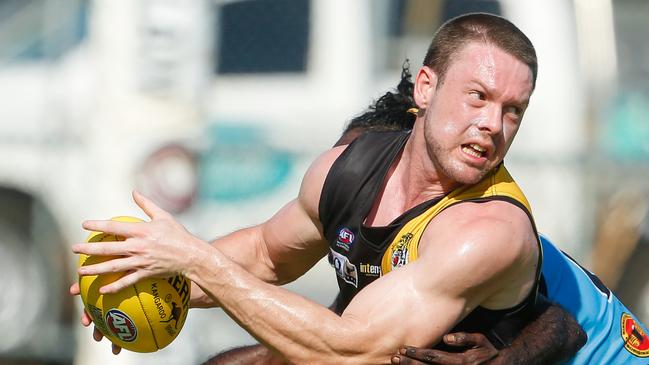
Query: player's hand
[(159, 248), (86, 320), (478, 350)]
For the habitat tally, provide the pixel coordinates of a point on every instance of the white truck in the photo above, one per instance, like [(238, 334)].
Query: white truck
[(96, 101)]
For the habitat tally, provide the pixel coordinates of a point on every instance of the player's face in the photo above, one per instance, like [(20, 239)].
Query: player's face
[(475, 112)]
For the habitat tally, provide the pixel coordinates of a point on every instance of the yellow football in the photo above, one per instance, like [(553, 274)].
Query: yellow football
[(144, 317)]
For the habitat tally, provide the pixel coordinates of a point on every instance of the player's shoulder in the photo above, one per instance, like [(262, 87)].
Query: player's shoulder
[(492, 211), (319, 168), (490, 247), (314, 178), (493, 227)]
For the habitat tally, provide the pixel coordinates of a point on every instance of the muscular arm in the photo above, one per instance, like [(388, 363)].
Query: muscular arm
[(258, 251), (552, 337), (305, 332), (250, 355), (283, 248), (473, 258)]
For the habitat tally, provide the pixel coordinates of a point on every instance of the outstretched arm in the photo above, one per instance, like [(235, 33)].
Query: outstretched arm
[(497, 259), (283, 248), (554, 336), (305, 332)]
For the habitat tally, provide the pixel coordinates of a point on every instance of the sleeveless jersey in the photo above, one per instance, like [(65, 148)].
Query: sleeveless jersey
[(615, 336), (361, 254)]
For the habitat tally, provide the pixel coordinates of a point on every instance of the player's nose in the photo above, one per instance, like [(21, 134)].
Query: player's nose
[(492, 122)]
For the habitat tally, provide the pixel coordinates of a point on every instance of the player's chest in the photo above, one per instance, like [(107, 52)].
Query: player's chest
[(360, 255)]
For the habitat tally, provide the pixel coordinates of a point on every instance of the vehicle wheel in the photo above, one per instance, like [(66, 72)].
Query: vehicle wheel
[(23, 284)]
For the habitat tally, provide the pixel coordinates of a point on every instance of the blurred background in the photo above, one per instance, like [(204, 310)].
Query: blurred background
[(216, 108)]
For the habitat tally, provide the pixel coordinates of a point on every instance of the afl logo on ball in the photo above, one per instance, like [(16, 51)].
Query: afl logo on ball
[(345, 239), (121, 325), (635, 338)]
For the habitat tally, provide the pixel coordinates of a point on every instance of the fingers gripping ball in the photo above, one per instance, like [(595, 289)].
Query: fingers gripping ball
[(144, 317)]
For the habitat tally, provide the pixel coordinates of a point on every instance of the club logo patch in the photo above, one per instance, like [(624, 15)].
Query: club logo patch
[(635, 339), (344, 269), (121, 325), (345, 239), (399, 252)]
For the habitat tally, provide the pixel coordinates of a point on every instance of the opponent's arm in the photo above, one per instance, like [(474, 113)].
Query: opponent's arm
[(552, 337), (476, 350), (248, 355)]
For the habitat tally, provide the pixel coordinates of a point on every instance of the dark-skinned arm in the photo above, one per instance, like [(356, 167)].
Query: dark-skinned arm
[(249, 355), (552, 337)]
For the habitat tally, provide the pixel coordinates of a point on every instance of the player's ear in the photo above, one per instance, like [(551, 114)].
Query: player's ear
[(425, 85)]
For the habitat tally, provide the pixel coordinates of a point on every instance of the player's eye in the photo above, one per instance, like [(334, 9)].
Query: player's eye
[(514, 110), (478, 95)]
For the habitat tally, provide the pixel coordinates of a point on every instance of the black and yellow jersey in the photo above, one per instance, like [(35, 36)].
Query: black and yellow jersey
[(361, 254)]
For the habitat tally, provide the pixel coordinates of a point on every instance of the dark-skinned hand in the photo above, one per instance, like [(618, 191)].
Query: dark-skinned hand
[(478, 350)]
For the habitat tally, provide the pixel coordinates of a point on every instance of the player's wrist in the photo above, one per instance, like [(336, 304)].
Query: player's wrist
[(507, 356), (200, 299), (208, 268), (200, 257)]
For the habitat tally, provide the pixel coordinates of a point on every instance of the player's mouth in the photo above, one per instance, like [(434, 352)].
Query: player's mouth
[(474, 150)]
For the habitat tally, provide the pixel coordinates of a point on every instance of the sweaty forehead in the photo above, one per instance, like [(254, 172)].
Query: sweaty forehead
[(492, 67)]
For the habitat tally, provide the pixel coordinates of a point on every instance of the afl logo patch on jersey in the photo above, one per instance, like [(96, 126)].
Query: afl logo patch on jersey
[(399, 252), (635, 339), (345, 239)]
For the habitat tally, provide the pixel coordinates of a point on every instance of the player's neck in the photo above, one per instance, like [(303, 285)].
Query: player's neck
[(408, 183), (417, 174)]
